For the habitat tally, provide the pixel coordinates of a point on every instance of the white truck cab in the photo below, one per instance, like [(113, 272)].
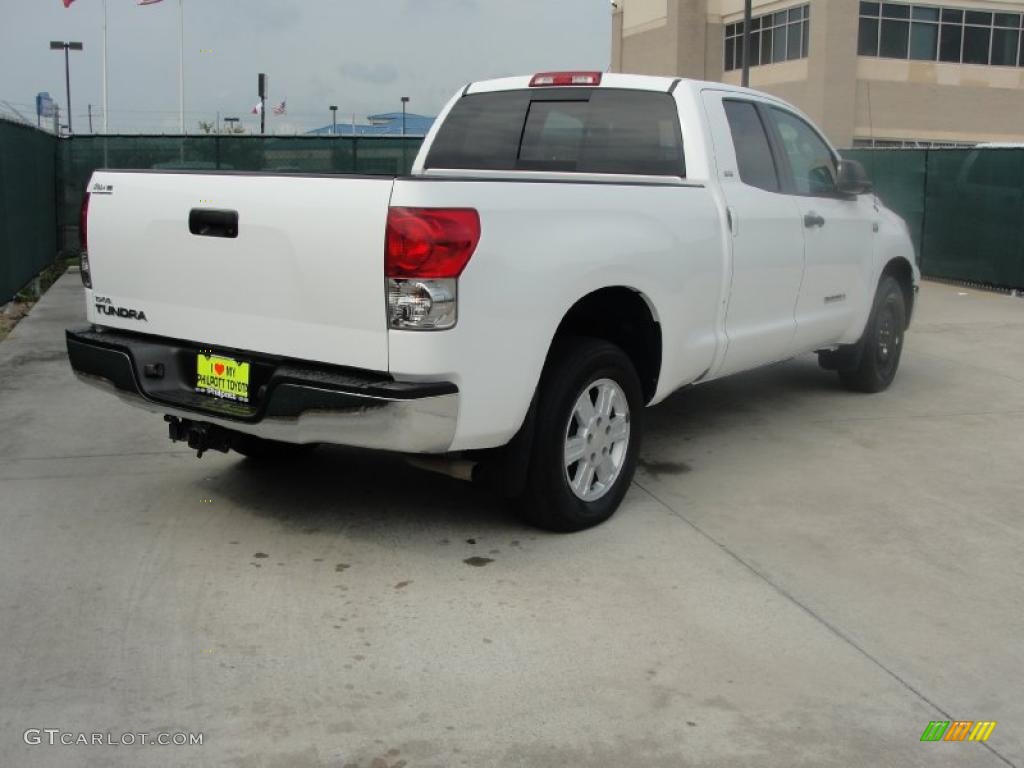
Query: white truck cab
[(569, 248)]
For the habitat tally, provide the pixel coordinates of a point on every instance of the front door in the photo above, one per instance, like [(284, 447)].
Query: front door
[(839, 238)]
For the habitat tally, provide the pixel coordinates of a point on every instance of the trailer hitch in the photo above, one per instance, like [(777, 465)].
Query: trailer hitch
[(199, 435)]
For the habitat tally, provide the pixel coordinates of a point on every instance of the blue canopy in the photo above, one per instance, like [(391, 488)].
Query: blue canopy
[(384, 124)]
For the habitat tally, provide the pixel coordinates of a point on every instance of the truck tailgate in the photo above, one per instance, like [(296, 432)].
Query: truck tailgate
[(303, 275)]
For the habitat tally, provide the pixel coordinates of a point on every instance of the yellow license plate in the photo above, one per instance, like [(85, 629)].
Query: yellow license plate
[(222, 377)]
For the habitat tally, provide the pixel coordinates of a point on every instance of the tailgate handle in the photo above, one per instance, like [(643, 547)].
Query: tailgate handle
[(212, 222)]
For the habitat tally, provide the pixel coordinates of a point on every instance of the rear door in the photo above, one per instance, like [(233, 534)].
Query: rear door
[(767, 236), (286, 265)]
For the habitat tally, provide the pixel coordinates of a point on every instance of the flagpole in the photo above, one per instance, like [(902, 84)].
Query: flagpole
[(181, 65), (105, 110)]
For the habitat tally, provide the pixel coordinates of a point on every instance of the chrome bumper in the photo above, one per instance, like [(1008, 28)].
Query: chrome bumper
[(364, 412)]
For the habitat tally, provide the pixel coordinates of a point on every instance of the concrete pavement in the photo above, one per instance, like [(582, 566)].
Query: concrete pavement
[(800, 577)]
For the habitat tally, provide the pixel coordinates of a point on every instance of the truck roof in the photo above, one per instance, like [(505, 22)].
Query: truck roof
[(608, 80)]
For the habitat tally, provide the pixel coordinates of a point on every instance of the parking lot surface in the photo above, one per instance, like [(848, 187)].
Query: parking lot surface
[(800, 576)]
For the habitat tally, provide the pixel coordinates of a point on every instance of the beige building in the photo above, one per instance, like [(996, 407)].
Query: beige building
[(869, 73)]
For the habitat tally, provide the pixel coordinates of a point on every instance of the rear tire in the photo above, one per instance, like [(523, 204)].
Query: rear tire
[(587, 436), (263, 450), (882, 342)]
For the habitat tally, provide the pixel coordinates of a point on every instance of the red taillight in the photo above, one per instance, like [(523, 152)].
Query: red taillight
[(83, 223), (429, 242), (542, 79)]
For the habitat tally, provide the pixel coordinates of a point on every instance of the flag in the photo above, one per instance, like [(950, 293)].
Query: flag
[(280, 109), (148, 2), (258, 108), (67, 3)]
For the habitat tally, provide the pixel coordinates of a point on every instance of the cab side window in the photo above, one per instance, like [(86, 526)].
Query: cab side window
[(810, 158), (749, 139)]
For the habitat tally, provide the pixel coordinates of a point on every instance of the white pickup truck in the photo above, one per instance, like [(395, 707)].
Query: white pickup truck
[(569, 248)]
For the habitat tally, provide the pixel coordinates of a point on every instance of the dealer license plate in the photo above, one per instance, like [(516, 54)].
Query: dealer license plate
[(222, 377)]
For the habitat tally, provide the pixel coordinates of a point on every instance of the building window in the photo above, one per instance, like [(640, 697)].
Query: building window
[(774, 37), (930, 33)]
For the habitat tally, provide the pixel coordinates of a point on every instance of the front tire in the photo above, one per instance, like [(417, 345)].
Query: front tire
[(587, 436), (882, 343)]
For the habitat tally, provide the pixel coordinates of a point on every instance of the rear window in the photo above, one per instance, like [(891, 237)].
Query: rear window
[(753, 152), (581, 130)]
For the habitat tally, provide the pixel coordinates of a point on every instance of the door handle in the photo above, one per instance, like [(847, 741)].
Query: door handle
[(211, 222), (730, 216), (813, 219)]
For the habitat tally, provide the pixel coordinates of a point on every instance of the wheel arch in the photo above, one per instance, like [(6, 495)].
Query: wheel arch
[(901, 270), (625, 317)]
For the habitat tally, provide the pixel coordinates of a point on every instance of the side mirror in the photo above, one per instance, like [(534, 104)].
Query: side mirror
[(853, 179)]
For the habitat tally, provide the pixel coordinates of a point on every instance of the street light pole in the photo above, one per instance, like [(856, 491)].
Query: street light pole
[(263, 89), (334, 119), (181, 66), (405, 100), (105, 105), (746, 43), (57, 45), (67, 84)]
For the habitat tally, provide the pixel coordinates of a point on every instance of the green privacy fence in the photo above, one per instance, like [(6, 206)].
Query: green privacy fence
[(28, 216), (964, 207), (80, 155), (974, 229), (42, 178)]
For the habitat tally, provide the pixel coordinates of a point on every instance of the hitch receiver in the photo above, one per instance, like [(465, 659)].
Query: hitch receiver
[(199, 435)]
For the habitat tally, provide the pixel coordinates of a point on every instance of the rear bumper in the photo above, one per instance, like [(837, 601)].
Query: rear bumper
[(293, 401)]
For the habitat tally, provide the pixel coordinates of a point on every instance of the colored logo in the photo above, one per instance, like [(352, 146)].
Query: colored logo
[(958, 730)]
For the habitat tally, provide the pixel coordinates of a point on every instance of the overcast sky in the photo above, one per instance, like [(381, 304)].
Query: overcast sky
[(359, 54)]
